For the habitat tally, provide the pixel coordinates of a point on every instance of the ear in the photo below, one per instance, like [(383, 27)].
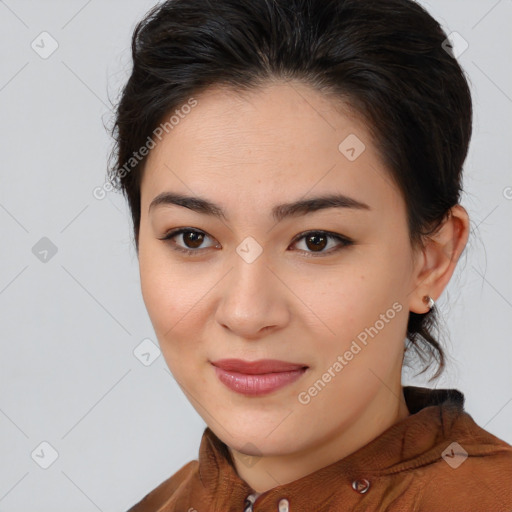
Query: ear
[(436, 261)]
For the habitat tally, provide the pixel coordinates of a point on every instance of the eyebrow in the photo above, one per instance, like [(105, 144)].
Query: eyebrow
[(279, 212)]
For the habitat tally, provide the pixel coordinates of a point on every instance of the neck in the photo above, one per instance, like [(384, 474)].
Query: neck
[(383, 412)]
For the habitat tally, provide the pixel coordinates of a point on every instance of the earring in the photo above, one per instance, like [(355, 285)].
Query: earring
[(429, 301)]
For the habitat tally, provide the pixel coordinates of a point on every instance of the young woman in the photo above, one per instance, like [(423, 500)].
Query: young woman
[(293, 169)]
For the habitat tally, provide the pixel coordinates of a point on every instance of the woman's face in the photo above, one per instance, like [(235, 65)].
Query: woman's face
[(264, 286)]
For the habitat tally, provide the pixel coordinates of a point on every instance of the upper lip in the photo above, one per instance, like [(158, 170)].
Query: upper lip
[(258, 367)]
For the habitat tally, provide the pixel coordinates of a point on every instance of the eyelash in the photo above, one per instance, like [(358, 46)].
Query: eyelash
[(345, 242)]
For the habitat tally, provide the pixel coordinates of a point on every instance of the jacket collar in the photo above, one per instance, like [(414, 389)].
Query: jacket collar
[(436, 415)]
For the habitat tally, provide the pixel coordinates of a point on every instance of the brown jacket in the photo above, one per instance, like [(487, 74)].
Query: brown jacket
[(435, 460)]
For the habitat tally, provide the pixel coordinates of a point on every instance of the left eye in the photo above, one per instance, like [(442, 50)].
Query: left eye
[(316, 240), (319, 240)]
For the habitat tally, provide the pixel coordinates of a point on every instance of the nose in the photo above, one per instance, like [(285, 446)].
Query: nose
[(254, 300)]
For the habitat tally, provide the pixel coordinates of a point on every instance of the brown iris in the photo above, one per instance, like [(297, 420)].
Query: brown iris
[(192, 237), (314, 240)]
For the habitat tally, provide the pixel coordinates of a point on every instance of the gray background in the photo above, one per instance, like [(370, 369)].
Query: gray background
[(70, 321)]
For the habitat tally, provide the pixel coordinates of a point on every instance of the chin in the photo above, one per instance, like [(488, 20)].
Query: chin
[(255, 441)]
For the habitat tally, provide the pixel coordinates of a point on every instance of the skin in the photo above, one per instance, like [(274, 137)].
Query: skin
[(248, 153)]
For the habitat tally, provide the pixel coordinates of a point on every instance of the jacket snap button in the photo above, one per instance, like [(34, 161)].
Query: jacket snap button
[(284, 505), (361, 486)]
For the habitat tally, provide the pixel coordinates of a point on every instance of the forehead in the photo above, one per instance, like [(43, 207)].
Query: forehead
[(265, 145)]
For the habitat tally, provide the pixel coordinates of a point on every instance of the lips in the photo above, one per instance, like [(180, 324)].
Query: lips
[(256, 378), (259, 367)]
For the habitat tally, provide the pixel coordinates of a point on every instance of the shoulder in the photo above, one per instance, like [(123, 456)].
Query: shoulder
[(165, 491), (473, 473)]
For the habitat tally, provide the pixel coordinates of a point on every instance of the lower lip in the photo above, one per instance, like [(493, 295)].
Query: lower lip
[(256, 385)]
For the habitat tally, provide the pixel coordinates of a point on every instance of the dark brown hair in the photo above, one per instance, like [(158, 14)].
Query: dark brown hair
[(388, 60)]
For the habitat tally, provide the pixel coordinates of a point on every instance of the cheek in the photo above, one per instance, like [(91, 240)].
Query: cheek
[(348, 295), (363, 302), (173, 304), (170, 294)]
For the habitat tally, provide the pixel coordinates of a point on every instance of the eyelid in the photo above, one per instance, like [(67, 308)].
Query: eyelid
[(344, 241), (178, 231)]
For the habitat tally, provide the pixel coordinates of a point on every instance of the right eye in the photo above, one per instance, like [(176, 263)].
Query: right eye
[(191, 236)]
